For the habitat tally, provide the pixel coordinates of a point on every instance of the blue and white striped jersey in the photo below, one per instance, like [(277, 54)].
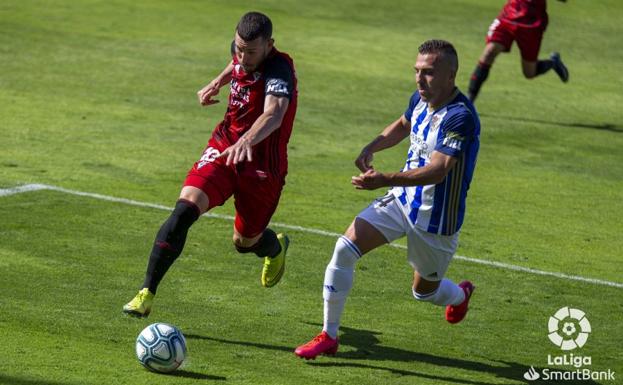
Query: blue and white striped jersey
[(453, 129)]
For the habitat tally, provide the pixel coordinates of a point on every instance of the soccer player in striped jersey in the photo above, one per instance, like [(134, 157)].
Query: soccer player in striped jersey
[(523, 21), (425, 202)]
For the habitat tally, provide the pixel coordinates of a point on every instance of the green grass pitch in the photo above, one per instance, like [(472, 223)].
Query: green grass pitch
[(100, 97)]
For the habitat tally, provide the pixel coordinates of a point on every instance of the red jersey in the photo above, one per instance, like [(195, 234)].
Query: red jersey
[(275, 76), (526, 13)]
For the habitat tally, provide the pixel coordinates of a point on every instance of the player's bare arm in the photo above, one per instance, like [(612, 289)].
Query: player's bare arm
[(433, 173), (206, 93), (275, 108), (391, 135)]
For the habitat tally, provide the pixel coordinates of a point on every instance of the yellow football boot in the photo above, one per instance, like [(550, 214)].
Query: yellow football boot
[(140, 306), (274, 267)]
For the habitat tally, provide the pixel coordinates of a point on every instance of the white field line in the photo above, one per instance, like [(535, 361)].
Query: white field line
[(506, 266)]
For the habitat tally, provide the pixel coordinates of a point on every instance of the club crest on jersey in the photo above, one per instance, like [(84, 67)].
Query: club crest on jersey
[(435, 121)]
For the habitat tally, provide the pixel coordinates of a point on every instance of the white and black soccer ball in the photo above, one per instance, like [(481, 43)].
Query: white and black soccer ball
[(161, 347)]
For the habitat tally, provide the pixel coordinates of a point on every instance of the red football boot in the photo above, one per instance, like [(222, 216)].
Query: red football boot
[(456, 313), (321, 344)]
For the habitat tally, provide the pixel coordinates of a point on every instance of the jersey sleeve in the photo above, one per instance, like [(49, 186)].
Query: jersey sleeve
[(415, 99), (279, 79), (458, 131)]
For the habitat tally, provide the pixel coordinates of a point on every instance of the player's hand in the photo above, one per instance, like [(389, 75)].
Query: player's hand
[(369, 180), (364, 160), (238, 152), (206, 93)]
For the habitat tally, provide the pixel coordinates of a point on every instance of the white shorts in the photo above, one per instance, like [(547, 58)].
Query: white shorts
[(429, 254)]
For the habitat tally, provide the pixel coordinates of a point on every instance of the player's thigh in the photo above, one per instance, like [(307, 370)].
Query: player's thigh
[(209, 184), (502, 34), (430, 254), (529, 43), (256, 201), (381, 222)]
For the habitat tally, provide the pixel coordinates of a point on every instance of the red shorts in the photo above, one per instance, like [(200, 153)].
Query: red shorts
[(528, 39), (256, 195)]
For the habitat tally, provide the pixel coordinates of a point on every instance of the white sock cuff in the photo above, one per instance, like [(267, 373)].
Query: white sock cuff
[(424, 297), (345, 242)]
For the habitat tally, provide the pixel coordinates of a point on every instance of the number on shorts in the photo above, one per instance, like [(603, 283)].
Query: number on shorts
[(209, 155)]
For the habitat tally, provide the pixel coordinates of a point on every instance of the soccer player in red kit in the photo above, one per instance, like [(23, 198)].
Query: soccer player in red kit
[(245, 158), (523, 21)]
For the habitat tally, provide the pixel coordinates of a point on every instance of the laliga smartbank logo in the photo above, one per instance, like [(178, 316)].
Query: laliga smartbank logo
[(569, 329)]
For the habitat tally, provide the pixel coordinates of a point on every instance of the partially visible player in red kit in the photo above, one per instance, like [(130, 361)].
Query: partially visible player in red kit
[(246, 158), (523, 21)]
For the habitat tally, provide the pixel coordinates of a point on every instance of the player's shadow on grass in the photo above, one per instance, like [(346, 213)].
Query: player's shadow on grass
[(601, 127), (196, 376), (367, 348)]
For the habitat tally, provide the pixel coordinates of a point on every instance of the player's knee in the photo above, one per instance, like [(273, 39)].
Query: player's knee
[(183, 216), (242, 245), (237, 240), (490, 53), (345, 254), (529, 72), (529, 75)]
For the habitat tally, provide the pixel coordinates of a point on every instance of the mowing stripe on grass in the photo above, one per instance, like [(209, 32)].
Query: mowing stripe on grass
[(506, 266)]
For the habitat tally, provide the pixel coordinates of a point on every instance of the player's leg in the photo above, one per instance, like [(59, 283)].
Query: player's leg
[(430, 255), (532, 69), (256, 201), (529, 43), (360, 238), (270, 246), (197, 196), (167, 246), (481, 72), (372, 228), (499, 39), (171, 237)]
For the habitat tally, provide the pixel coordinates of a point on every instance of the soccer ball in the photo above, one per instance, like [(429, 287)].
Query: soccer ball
[(161, 347)]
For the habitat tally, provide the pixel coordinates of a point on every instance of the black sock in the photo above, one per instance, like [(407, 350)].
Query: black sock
[(169, 242), (478, 77), (267, 246), (542, 66)]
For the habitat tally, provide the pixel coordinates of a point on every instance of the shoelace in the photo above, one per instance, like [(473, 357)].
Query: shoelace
[(140, 298), (316, 339)]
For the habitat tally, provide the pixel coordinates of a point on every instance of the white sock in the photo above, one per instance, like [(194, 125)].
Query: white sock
[(338, 280), (448, 293), (332, 314)]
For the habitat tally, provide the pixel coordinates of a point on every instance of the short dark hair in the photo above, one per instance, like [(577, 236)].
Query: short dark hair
[(445, 48), (253, 25)]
